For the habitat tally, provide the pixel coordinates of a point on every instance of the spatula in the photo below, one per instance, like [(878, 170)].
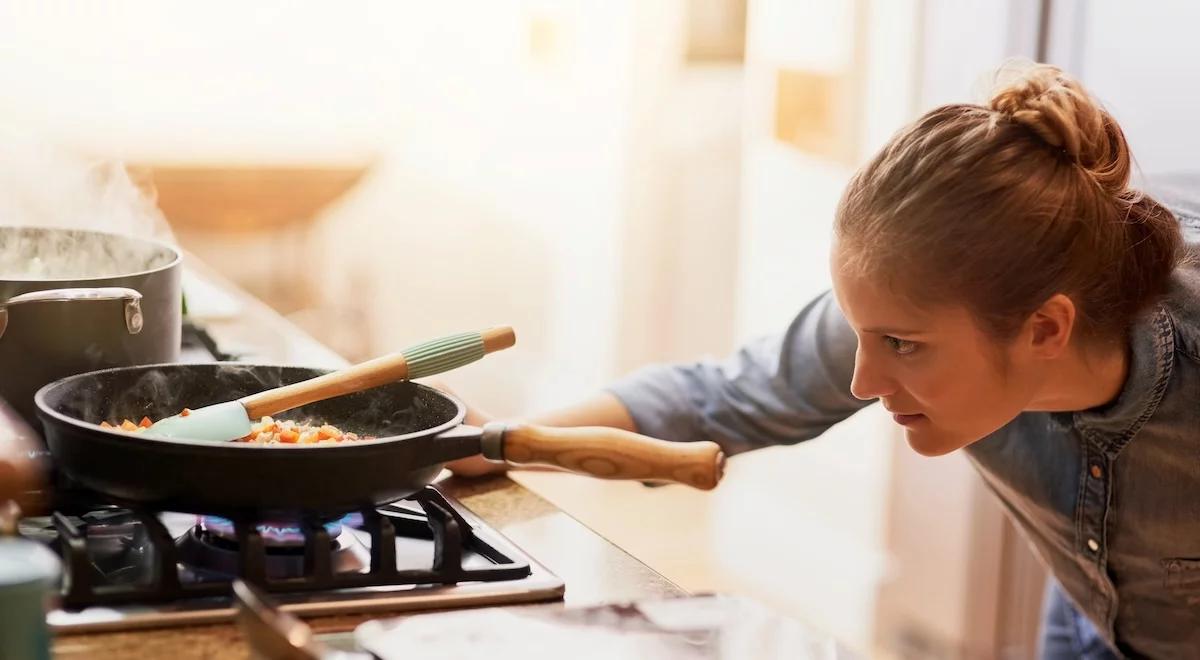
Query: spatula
[(232, 419)]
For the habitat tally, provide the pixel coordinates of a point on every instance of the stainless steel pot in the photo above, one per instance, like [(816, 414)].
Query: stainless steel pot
[(75, 300)]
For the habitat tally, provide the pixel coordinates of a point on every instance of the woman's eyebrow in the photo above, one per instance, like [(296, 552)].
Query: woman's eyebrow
[(892, 331)]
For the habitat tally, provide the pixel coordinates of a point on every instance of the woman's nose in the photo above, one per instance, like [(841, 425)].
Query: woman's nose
[(869, 382)]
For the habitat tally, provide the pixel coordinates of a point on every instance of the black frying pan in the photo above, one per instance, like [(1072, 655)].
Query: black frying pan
[(417, 430)]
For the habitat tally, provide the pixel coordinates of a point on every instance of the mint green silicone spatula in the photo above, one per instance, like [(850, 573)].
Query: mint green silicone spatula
[(232, 419)]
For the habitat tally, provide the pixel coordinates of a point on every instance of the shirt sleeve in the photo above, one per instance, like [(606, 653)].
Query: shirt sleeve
[(773, 391)]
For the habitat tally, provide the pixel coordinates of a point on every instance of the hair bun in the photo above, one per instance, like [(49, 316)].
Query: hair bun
[(1061, 112)]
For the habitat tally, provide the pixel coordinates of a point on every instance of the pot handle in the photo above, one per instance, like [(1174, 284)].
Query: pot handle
[(133, 302), (607, 453)]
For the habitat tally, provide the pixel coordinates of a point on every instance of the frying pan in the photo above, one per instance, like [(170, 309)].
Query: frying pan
[(417, 429)]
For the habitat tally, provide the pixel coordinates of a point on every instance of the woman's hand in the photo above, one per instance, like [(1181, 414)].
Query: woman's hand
[(472, 466)]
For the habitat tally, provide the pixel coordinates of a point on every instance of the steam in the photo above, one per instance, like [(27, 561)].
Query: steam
[(158, 393), (42, 185)]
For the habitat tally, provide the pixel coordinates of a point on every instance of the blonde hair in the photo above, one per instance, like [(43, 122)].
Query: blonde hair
[(1000, 206)]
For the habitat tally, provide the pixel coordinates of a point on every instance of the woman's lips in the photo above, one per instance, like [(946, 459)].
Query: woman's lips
[(907, 420)]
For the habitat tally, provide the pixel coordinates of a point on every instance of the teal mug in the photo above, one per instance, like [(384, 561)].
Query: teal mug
[(29, 572)]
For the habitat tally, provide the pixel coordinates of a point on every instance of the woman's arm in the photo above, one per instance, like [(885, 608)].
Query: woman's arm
[(778, 390)]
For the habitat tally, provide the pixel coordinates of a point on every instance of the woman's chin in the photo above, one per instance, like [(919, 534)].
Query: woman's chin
[(930, 443)]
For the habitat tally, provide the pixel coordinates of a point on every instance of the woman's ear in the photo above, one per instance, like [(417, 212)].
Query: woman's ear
[(1051, 326)]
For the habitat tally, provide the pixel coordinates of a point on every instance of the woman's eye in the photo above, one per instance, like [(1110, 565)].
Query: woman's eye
[(900, 346)]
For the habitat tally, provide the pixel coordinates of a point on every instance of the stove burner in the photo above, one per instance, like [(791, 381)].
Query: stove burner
[(211, 550), (274, 534)]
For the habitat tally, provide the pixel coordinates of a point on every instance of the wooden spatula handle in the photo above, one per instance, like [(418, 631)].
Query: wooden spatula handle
[(498, 339), (424, 359), (611, 453)]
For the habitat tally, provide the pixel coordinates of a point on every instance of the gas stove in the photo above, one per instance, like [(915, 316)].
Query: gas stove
[(126, 566), (133, 568)]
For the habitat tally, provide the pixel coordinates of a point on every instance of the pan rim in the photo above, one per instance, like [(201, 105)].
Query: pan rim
[(45, 409)]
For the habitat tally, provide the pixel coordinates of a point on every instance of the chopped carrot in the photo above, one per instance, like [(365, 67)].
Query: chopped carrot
[(145, 423), (288, 436), (185, 412), (128, 426)]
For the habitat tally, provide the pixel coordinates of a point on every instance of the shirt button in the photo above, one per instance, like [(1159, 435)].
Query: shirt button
[(1093, 545), (1097, 472)]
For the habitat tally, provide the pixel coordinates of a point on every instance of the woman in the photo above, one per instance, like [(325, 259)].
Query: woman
[(1000, 288)]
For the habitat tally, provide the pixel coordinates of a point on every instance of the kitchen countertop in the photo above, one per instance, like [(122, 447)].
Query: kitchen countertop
[(594, 570)]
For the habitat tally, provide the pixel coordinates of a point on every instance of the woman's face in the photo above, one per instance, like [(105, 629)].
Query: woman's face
[(945, 380)]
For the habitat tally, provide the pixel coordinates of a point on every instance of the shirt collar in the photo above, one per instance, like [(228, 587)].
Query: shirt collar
[(1152, 355)]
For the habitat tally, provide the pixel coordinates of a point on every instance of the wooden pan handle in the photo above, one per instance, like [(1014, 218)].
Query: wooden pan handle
[(424, 359), (610, 453)]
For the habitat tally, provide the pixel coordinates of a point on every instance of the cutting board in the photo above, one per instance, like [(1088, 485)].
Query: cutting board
[(711, 627)]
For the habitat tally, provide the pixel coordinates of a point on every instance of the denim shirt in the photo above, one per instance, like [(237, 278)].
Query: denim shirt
[(1108, 497)]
